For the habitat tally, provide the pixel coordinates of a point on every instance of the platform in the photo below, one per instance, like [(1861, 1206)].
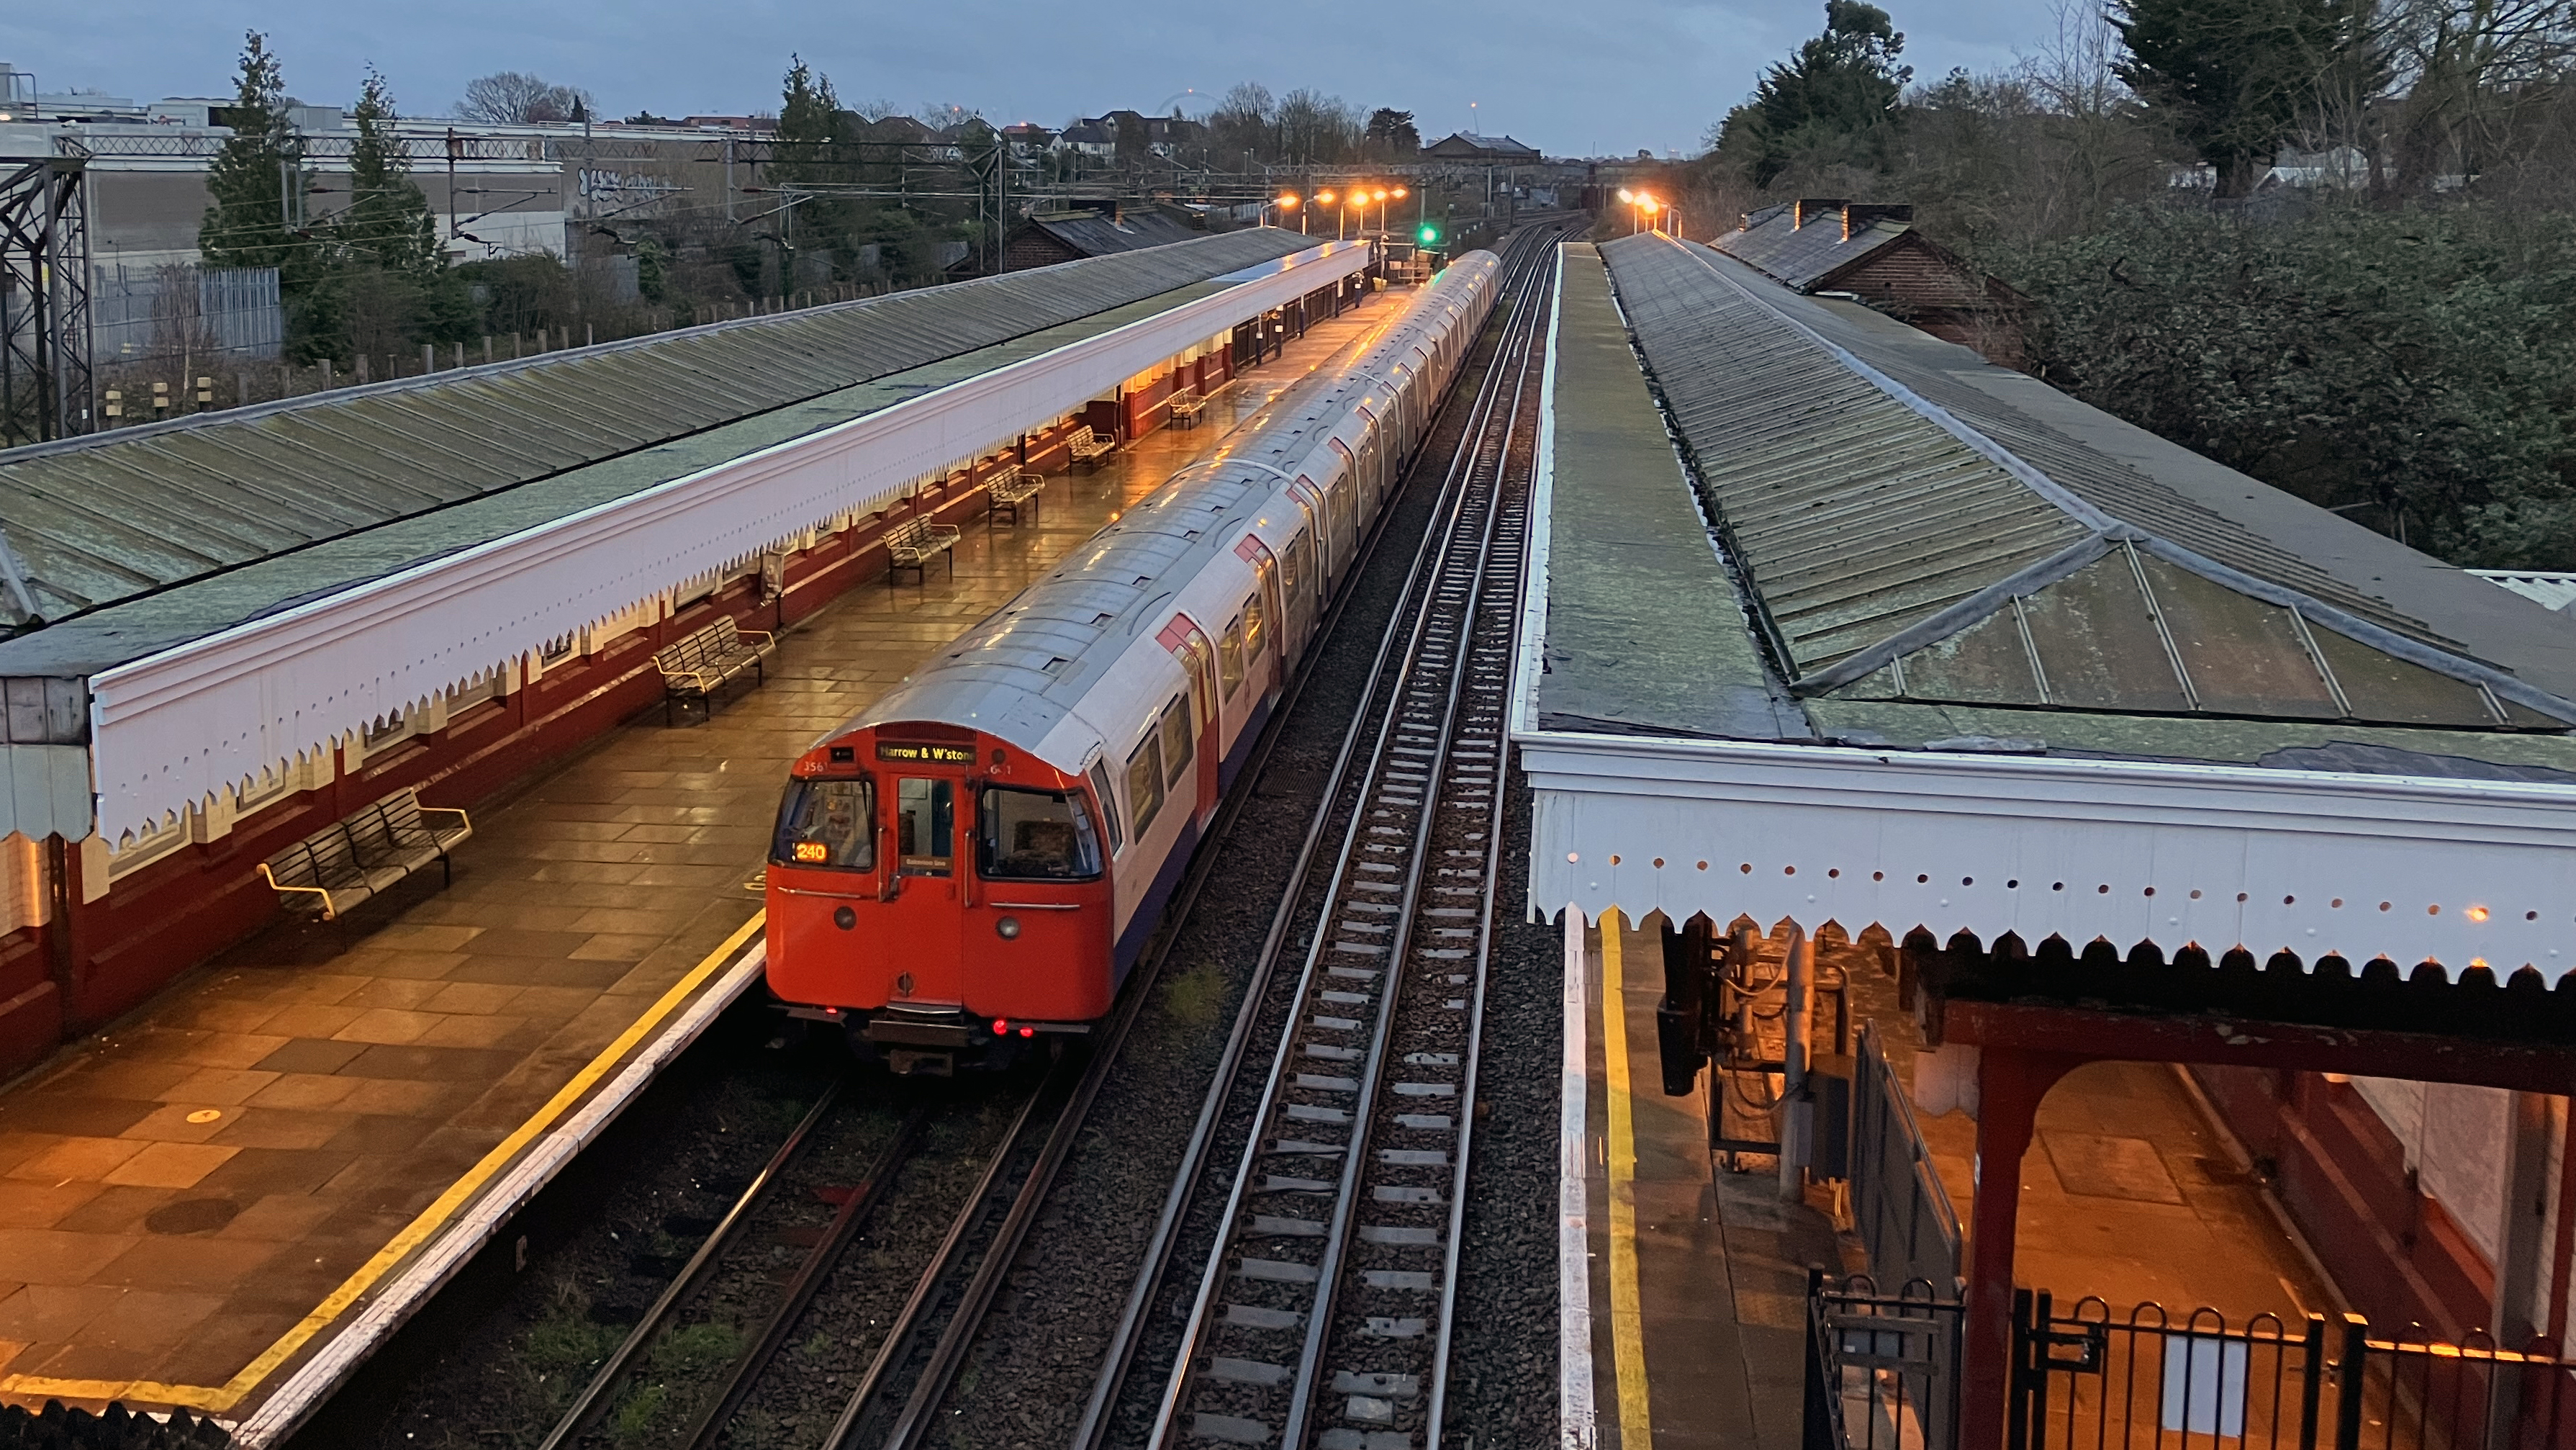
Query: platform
[(1684, 1284), (198, 1205)]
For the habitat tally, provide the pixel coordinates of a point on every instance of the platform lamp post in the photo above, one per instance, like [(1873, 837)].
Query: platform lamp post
[(1379, 196), (1325, 198)]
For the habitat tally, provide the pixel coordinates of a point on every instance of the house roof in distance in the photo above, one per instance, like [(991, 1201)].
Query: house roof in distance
[(1469, 143), (1102, 234), (1810, 242)]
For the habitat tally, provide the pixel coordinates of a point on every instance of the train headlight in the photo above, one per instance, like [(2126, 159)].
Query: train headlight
[(1009, 927)]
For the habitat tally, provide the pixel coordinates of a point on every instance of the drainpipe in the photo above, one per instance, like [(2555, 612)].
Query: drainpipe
[(1797, 1113), (58, 921)]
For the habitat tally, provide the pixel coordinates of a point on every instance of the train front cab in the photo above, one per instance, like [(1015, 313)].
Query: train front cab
[(942, 895)]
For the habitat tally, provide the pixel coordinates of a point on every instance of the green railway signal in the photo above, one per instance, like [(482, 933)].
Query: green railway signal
[(1429, 236)]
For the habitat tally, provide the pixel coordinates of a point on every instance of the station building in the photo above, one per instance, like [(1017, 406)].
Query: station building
[(228, 631), (1839, 636)]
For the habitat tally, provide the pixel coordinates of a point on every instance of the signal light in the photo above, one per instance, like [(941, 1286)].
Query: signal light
[(1429, 235)]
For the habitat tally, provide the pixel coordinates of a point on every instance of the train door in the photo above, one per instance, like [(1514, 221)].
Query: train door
[(925, 829), (1260, 613), (1189, 644)]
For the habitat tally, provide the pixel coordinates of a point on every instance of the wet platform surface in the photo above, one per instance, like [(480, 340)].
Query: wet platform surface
[(192, 1203)]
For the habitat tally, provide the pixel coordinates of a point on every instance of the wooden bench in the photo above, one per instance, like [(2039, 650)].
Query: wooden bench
[(369, 852), (1087, 447), (1011, 490), (697, 665), (1186, 408), (916, 541)]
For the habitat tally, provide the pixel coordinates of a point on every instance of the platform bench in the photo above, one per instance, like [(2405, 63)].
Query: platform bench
[(916, 541), (1087, 447), (697, 665), (365, 854), (1010, 491), (1186, 408)]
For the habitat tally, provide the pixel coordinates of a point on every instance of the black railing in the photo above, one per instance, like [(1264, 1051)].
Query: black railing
[(1882, 1369), (1882, 1374)]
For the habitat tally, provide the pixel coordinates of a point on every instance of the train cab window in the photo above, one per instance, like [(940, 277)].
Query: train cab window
[(1108, 804), (1033, 835), (925, 827), (827, 823), (1176, 738), (1229, 657), (1144, 785)]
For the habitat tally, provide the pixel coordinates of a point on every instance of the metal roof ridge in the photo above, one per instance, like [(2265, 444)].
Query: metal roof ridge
[(2107, 530), (2022, 472), (557, 357)]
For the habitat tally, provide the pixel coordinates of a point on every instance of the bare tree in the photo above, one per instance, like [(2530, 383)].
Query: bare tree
[(512, 97), (2468, 74)]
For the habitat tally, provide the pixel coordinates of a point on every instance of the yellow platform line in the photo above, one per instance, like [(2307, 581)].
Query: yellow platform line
[(1627, 1315), (419, 1231)]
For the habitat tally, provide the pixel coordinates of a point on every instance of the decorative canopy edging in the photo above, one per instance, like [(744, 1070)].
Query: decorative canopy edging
[(172, 730), (2458, 873)]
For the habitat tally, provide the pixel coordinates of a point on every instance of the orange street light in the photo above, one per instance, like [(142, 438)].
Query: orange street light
[(1287, 202)]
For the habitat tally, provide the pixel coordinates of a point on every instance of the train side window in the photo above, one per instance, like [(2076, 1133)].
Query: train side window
[(1034, 835), (1297, 565), (1144, 784), (1229, 657), (1108, 804), (1252, 628), (1176, 738), (827, 823)]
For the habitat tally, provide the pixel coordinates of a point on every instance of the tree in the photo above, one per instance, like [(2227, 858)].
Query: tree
[(1834, 101), (251, 174), (509, 98), (383, 278), (2233, 76), (1391, 134)]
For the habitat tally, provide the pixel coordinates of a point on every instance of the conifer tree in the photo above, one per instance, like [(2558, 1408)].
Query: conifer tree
[(251, 174), (2233, 77)]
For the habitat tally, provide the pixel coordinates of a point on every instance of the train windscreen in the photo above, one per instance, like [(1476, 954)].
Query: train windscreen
[(1034, 835), (827, 823)]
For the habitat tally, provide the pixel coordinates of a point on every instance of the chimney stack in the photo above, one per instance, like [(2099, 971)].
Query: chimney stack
[(1809, 208)]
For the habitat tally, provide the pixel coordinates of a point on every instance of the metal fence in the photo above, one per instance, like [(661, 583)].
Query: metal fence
[(1899, 1208), (1881, 1368), (2090, 1380), (213, 315)]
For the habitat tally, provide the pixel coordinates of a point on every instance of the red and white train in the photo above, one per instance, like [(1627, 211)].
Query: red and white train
[(976, 860)]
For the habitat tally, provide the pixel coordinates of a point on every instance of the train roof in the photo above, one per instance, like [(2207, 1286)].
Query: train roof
[(1023, 669)]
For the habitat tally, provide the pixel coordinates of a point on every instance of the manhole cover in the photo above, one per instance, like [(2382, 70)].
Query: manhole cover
[(191, 1215)]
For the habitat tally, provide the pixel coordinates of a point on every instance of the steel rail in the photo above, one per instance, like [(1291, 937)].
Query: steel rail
[(1126, 1337), (1454, 599), (594, 1395), (907, 1325), (708, 1427)]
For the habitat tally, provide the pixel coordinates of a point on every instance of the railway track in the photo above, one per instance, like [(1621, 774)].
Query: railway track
[(916, 1357), (1323, 1316)]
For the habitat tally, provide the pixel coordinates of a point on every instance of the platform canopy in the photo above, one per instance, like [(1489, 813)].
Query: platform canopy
[(233, 593), (1834, 621)]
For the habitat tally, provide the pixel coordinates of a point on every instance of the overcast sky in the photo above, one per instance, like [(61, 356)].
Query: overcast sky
[(1572, 77)]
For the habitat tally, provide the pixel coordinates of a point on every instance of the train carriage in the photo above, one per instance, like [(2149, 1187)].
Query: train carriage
[(973, 863)]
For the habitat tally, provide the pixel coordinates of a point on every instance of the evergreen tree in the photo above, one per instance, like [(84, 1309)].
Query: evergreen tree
[(2233, 76), (810, 151), (382, 283), (246, 225), (387, 223), (1834, 102)]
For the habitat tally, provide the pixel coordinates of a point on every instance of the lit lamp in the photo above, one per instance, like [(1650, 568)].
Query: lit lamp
[(1286, 203), (1325, 198)]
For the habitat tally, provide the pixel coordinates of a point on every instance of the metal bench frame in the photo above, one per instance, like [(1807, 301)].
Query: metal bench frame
[(916, 541), (1010, 491), (704, 661), (365, 854), (1087, 447)]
